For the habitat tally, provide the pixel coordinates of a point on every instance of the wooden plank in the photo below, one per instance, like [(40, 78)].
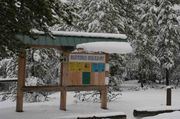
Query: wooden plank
[(41, 88), (94, 78), (75, 78), (59, 88), (97, 78), (46, 46), (21, 81), (84, 88), (101, 78)]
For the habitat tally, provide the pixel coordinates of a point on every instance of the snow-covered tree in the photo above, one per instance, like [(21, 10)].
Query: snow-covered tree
[(20, 16), (169, 35), (155, 35), (42, 68), (96, 16), (44, 64), (117, 69)]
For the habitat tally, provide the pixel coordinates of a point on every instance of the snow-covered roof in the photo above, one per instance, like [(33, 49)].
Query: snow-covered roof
[(84, 34), (108, 47)]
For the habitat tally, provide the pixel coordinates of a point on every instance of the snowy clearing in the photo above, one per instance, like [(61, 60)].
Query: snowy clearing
[(129, 101)]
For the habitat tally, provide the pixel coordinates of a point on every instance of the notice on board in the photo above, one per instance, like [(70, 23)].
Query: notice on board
[(94, 58)]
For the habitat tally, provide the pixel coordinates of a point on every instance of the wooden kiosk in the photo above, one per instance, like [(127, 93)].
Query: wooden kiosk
[(79, 71)]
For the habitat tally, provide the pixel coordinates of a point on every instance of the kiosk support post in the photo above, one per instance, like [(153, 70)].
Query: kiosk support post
[(63, 100), (21, 80), (103, 96)]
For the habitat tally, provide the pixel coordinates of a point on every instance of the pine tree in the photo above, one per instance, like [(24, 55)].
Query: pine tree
[(117, 68), (155, 36), (169, 36), (20, 16), (96, 16)]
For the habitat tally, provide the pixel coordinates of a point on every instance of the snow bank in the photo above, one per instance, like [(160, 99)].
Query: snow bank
[(173, 115), (108, 47), (101, 114), (158, 108)]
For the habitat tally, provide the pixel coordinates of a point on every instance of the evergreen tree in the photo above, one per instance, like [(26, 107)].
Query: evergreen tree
[(169, 36), (96, 16), (20, 16), (117, 68), (155, 36)]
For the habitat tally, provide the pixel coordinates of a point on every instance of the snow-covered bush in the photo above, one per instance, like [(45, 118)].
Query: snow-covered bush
[(42, 68), (94, 96), (8, 67), (35, 96)]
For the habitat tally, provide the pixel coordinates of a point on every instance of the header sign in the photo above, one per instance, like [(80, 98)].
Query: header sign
[(94, 58)]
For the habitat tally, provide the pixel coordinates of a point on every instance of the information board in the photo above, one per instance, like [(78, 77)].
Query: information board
[(85, 69), (94, 58)]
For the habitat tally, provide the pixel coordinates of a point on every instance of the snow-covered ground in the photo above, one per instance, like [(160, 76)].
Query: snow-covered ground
[(172, 115), (129, 101)]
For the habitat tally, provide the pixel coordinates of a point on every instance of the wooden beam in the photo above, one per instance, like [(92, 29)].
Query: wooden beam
[(45, 46), (41, 88), (60, 88), (21, 81), (84, 88)]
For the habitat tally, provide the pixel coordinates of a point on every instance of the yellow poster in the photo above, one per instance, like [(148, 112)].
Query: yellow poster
[(75, 67)]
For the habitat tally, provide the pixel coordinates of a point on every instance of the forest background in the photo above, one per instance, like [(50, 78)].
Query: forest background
[(152, 28)]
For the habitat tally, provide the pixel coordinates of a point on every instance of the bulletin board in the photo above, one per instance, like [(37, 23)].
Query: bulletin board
[(85, 69)]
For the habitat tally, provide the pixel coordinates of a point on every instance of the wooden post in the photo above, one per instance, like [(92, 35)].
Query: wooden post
[(21, 81), (61, 72), (103, 95), (63, 91), (63, 100), (107, 61), (104, 90), (168, 96)]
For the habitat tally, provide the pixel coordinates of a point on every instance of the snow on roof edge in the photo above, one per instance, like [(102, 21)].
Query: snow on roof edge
[(107, 47), (84, 34)]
